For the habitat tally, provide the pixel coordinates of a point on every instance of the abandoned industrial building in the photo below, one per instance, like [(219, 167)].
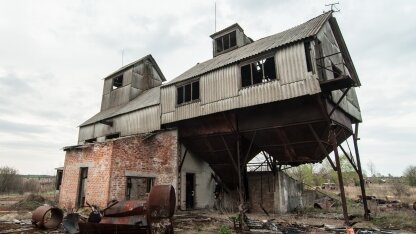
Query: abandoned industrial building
[(289, 96)]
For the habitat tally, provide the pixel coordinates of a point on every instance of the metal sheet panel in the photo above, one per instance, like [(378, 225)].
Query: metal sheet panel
[(119, 96), (168, 98), (302, 31), (291, 63), (219, 84), (140, 121), (107, 86), (86, 132)]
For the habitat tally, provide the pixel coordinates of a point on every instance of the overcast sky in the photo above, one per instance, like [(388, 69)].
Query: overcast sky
[(54, 54)]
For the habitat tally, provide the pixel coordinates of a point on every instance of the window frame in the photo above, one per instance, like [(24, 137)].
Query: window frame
[(222, 42), (149, 184), (183, 85), (252, 61), (114, 87)]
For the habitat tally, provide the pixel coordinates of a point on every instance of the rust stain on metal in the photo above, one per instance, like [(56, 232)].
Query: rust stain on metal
[(48, 217)]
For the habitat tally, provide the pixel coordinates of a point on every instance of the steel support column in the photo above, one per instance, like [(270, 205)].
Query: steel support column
[(360, 174), (340, 180)]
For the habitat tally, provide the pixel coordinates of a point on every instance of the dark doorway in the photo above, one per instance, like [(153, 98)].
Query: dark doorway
[(190, 190), (83, 175)]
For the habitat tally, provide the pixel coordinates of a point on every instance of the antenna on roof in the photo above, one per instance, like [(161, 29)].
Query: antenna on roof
[(215, 16), (333, 6)]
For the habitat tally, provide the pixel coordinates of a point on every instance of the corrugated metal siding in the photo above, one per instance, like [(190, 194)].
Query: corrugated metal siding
[(302, 31), (291, 63), (168, 98), (141, 121), (219, 84)]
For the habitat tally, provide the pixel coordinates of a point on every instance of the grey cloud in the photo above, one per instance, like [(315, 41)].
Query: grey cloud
[(14, 127)]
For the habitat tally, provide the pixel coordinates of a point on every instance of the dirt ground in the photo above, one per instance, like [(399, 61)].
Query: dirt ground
[(208, 221)]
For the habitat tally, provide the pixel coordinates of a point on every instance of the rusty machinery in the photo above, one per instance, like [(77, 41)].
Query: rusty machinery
[(150, 215)]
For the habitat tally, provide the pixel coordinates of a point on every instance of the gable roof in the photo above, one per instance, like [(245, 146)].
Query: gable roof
[(297, 33), (128, 66), (148, 98)]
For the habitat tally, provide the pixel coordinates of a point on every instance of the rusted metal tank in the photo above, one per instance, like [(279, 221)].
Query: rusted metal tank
[(162, 202), (48, 217)]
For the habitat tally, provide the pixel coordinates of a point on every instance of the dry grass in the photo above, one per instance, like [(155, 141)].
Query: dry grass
[(382, 191)]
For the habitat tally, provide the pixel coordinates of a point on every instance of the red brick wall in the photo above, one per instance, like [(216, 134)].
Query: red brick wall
[(108, 162), (156, 155), (97, 158)]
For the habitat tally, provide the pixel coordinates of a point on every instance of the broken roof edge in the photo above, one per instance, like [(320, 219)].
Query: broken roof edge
[(125, 67), (344, 49), (316, 28)]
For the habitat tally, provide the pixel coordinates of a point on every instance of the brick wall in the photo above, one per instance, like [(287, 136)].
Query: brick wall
[(153, 157), (110, 162), (97, 158), (261, 191)]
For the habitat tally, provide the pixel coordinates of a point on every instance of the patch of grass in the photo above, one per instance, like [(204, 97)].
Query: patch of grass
[(31, 202), (401, 219), (224, 230)]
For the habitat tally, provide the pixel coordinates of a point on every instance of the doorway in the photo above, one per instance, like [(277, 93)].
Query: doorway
[(83, 175), (190, 190)]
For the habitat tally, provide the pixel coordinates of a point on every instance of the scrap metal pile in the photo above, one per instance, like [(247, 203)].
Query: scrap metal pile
[(151, 215)]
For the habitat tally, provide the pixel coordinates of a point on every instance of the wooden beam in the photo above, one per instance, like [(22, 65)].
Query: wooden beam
[(230, 155)]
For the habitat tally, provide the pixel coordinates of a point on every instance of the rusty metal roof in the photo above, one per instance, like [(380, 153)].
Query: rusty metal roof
[(302, 31), (148, 98)]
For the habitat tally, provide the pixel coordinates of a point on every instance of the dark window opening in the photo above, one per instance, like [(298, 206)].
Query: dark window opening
[(226, 42), (180, 95), (117, 82), (188, 92), (260, 71), (83, 175), (195, 90), (92, 140), (58, 182), (112, 136), (308, 56), (138, 187), (337, 72)]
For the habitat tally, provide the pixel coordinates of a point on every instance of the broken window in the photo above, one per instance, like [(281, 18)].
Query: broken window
[(112, 136), (337, 72), (118, 82), (188, 92), (308, 56), (260, 71), (137, 187), (226, 42)]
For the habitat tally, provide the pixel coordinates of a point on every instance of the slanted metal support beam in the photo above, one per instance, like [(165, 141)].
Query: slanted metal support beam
[(249, 148), (230, 155), (340, 180), (349, 158), (331, 163), (339, 101), (360, 174), (315, 135)]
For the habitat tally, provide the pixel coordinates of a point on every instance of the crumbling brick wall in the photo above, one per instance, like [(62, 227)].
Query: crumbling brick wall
[(110, 162), (261, 191)]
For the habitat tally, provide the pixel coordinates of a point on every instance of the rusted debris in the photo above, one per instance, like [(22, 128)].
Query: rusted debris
[(48, 217), (152, 214)]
